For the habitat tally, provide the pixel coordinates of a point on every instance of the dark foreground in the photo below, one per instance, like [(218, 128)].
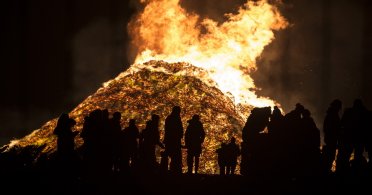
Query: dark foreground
[(33, 182)]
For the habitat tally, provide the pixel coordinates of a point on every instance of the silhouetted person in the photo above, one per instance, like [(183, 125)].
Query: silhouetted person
[(276, 135), (172, 139), (222, 158), (309, 147), (65, 141), (276, 121), (292, 131), (253, 139), (67, 160), (194, 138), (115, 131), (331, 130), (97, 153), (296, 113), (105, 142), (87, 134), (232, 153), (369, 140), (130, 137), (150, 137), (353, 129)]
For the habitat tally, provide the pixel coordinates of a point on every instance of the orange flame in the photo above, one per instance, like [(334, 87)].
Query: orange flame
[(228, 51)]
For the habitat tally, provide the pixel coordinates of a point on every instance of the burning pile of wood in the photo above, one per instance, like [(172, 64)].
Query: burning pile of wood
[(153, 88)]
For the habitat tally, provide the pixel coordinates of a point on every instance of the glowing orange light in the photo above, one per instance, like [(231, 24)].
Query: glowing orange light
[(228, 51)]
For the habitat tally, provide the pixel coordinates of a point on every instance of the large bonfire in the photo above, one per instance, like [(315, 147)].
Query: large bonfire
[(206, 73)]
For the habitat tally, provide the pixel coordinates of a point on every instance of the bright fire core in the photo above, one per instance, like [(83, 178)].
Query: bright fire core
[(227, 51)]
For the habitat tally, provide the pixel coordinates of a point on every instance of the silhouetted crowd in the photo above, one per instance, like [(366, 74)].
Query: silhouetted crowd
[(274, 146), (288, 146), (108, 148)]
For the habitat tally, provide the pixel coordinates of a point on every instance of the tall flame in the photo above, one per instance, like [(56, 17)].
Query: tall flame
[(228, 51)]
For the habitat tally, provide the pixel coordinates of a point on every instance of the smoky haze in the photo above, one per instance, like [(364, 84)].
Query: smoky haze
[(56, 54), (322, 55)]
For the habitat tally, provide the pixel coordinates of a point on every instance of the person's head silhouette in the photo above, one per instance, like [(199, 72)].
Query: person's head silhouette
[(132, 122), (176, 110), (155, 118), (336, 104), (63, 119), (299, 107), (116, 116), (232, 140), (358, 104)]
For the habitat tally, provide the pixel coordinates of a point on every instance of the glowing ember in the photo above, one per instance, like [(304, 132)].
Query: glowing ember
[(228, 51)]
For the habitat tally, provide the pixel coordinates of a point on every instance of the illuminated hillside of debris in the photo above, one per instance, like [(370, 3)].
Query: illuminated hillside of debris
[(154, 88)]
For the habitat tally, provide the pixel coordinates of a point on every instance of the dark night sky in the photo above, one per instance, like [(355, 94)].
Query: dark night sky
[(55, 53)]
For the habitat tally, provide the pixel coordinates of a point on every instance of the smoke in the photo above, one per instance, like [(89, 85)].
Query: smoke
[(98, 51), (317, 59), (214, 10)]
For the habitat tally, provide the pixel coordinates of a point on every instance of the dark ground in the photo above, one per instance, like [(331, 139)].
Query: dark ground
[(38, 182)]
